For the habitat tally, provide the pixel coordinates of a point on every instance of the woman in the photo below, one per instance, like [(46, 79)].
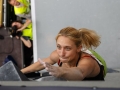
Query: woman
[(76, 62), (27, 39)]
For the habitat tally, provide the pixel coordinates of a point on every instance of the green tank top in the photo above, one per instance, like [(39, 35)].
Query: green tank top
[(28, 31), (101, 60)]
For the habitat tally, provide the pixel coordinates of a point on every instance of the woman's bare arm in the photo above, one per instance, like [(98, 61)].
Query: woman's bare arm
[(38, 65), (84, 69), (26, 42)]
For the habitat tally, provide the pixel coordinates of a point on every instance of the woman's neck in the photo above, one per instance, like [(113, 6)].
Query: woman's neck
[(74, 62)]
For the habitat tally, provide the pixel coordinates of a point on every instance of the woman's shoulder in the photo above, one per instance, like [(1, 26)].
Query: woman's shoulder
[(84, 54), (86, 58), (54, 56)]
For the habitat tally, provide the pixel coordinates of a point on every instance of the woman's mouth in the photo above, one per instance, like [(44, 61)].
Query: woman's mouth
[(64, 59)]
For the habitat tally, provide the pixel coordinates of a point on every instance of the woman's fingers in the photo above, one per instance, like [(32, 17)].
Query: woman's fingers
[(42, 62), (48, 67)]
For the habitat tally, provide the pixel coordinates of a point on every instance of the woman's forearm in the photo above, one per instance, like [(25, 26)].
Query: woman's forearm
[(28, 21), (33, 68), (26, 42), (72, 74)]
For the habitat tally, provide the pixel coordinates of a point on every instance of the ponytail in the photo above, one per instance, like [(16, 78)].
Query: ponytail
[(89, 38)]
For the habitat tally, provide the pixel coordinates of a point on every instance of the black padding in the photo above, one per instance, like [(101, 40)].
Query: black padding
[(1, 37), (10, 72)]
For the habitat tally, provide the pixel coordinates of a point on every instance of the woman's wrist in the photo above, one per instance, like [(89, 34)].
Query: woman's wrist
[(22, 70)]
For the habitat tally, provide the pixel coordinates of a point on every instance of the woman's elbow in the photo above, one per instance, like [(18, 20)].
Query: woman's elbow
[(29, 46), (29, 20)]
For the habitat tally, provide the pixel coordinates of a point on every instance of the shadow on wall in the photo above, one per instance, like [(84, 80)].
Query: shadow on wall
[(110, 70)]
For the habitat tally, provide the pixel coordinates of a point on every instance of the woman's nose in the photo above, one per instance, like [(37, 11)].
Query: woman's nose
[(62, 52)]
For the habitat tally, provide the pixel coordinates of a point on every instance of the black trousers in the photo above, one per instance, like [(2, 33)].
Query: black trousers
[(28, 55)]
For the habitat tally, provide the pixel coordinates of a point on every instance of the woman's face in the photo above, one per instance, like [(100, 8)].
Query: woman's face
[(19, 25), (66, 49), (14, 2)]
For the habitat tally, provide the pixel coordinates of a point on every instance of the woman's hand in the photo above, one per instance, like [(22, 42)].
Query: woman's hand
[(17, 37), (19, 29), (53, 70)]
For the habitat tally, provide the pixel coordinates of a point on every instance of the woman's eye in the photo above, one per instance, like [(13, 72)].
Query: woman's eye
[(68, 49), (58, 47)]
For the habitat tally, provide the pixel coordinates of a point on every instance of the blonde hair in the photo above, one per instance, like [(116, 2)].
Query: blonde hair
[(85, 37)]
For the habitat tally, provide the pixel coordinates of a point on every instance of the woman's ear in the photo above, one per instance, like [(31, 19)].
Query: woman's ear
[(79, 48)]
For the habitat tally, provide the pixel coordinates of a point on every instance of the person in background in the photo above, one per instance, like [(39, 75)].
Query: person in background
[(73, 55), (27, 38), (22, 9)]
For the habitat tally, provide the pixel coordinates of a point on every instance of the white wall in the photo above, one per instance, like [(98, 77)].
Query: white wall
[(49, 16)]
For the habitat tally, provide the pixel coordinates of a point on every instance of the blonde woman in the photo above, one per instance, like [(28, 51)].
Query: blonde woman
[(75, 60)]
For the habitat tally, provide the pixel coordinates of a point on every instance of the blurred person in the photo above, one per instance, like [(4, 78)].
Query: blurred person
[(22, 9), (26, 37)]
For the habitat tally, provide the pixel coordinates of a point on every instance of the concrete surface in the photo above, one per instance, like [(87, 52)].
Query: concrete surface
[(113, 75)]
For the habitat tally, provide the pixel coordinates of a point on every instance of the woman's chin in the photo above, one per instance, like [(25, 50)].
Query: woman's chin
[(64, 60)]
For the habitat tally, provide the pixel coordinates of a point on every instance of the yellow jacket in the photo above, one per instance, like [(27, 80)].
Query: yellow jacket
[(22, 9), (28, 32)]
